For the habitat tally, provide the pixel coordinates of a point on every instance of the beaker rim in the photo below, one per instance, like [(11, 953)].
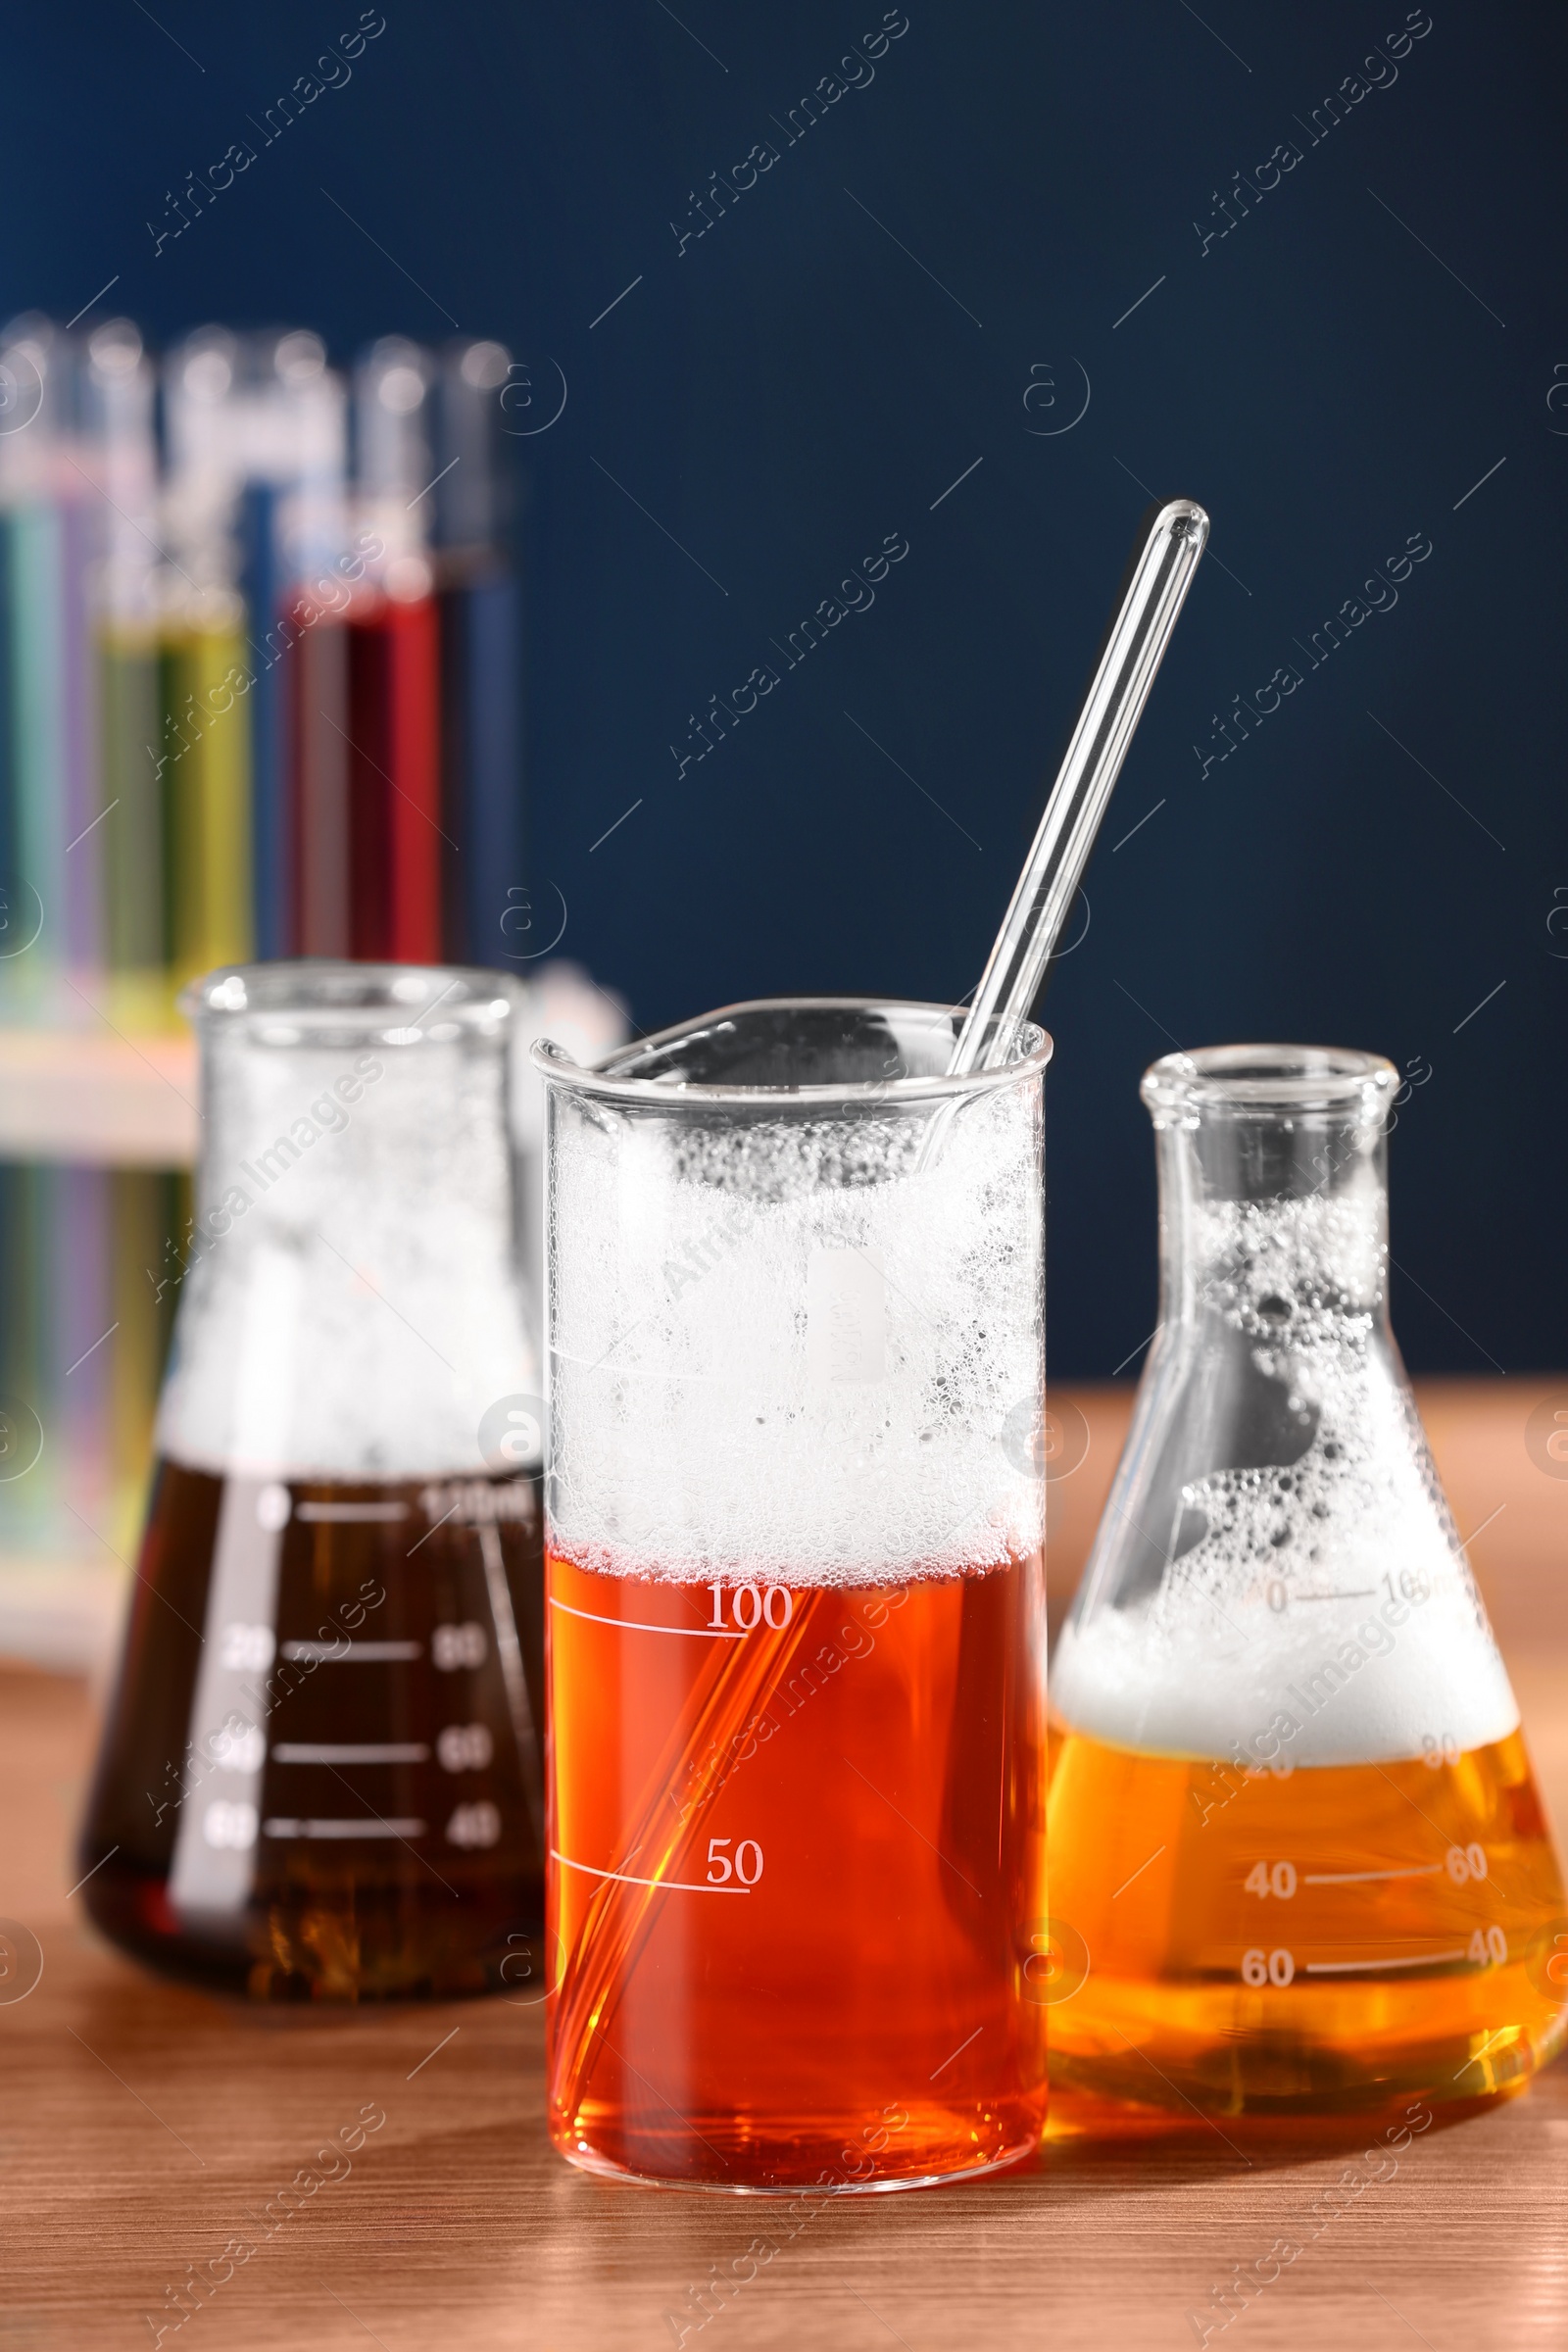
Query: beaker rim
[(390, 1002), (611, 1078), (1248, 1080)]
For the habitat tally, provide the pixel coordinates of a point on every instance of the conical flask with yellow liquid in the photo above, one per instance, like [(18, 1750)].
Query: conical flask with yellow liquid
[(1299, 1862)]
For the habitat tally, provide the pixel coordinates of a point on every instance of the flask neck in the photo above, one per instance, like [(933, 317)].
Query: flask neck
[(1273, 1221)]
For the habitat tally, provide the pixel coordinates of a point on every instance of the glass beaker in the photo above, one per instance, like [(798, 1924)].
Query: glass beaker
[(322, 1773), (795, 1602), (1295, 1839)]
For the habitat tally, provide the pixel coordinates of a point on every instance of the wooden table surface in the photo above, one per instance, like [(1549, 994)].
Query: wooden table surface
[(140, 2122)]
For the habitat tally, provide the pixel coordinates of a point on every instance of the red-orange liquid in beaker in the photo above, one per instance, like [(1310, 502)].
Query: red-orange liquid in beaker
[(839, 1792)]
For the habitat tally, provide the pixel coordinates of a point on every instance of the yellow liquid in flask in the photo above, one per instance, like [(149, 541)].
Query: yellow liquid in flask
[(1324, 1940)]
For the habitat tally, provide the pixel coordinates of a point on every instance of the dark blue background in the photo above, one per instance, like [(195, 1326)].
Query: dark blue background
[(793, 386)]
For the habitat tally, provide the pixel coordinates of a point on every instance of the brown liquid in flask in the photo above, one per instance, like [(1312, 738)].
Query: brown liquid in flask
[(321, 1775)]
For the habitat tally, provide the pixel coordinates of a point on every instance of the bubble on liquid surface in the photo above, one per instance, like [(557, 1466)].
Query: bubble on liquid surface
[(793, 1346), (1323, 1611)]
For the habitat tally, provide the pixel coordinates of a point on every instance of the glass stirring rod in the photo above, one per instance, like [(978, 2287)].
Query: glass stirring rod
[(1159, 572)]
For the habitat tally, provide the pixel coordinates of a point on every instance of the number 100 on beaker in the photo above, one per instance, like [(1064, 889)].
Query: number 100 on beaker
[(796, 1622)]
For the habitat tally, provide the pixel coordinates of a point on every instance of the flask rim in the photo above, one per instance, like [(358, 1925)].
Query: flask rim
[(1254, 1081), (308, 999), (611, 1077)]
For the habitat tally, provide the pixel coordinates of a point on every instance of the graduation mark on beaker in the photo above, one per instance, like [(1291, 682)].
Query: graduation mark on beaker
[(676, 1885), (638, 1624)]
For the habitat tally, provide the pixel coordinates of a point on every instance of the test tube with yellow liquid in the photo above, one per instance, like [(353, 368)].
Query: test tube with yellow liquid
[(206, 667), (206, 782)]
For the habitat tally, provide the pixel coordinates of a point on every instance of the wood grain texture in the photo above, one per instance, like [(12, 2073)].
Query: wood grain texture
[(143, 2124)]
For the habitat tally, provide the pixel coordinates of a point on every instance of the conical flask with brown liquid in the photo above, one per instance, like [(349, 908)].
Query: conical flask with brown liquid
[(322, 1773), (1298, 1863)]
